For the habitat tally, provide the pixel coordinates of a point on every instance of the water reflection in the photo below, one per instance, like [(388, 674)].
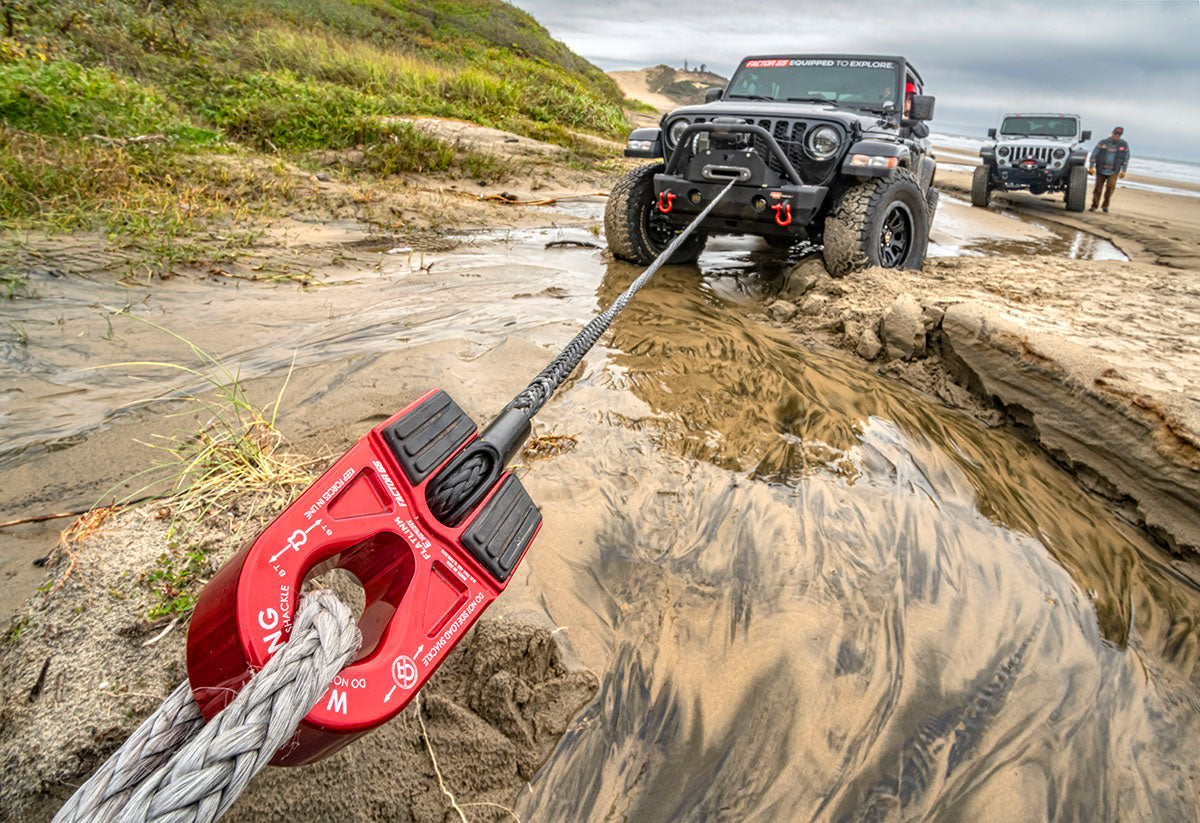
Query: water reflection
[(816, 595)]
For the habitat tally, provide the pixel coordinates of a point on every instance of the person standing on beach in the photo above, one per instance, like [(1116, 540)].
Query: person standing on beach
[(1108, 162)]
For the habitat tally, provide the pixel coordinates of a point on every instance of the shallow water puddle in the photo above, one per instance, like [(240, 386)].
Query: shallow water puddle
[(812, 594), (962, 230)]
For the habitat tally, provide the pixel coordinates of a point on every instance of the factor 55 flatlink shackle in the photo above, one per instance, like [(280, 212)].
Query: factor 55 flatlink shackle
[(422, 511)]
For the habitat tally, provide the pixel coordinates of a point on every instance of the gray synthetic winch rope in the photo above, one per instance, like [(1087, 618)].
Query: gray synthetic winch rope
[(175, 768)]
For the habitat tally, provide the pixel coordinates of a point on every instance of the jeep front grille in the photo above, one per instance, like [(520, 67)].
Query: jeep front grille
[(1039, 153), (789, 134)]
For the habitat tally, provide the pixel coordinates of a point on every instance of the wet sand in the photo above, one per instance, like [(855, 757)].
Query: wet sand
[(804, 590), (1149, 226)]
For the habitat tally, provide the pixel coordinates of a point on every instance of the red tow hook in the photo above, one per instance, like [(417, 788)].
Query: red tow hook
[(664, 208), (783, 213)]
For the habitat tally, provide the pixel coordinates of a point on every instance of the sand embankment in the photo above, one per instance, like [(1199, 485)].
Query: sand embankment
[(633, 84), (1097, 359)]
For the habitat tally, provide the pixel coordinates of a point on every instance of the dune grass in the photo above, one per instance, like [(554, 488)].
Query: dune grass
[(281, 79), (236, 457)]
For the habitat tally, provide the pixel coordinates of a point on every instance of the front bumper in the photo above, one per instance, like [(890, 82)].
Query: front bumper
[(747, 208), (763, 201), (1023, 176)]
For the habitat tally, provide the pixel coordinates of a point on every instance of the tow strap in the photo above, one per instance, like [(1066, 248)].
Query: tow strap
[(424, 514)]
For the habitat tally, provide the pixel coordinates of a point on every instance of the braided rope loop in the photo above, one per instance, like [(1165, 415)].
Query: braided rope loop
[(175, 768)]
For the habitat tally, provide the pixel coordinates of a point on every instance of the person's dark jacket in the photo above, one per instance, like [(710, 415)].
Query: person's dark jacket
[(1110, 156)]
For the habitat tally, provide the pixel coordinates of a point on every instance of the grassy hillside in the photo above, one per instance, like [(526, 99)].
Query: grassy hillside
[(210, 78)]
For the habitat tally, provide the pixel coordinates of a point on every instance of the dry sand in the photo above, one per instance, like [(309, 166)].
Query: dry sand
[(634, 86)]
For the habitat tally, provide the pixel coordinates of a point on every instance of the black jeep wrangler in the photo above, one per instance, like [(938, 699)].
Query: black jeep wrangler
[(825, 148)]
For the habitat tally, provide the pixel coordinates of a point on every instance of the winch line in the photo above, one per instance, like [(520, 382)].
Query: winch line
[(534, 396), (177, 769), (452, 493)]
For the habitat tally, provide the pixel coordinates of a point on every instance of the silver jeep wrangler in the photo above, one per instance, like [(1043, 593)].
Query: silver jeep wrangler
[(1041, 153)]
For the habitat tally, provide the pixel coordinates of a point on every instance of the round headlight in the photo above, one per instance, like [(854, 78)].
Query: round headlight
[(676, 130), (823, 142), (1002, 151), (1060, 153)]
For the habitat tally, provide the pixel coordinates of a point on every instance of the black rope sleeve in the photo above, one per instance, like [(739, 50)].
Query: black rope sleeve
[(535, 395)]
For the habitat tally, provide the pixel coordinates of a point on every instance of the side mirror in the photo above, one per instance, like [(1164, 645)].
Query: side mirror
[(922, 107), (1087, 135), (992, 133), (713, 95)]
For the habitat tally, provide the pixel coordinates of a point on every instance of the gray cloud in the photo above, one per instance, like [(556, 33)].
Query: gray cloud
[(1132, 62)]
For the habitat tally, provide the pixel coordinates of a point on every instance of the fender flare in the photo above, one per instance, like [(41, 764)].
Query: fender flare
[(653, 136), (875, 148)]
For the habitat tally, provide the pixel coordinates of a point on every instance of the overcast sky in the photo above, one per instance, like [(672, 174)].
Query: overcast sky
[(1133, 62)]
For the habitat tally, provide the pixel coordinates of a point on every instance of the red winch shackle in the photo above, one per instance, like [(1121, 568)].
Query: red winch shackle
[(425, 582), (423, 513)]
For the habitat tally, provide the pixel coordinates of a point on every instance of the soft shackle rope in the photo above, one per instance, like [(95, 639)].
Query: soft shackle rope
[(175, 768)]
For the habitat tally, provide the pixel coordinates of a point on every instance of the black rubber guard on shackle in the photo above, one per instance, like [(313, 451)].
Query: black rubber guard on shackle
[(457, 489)]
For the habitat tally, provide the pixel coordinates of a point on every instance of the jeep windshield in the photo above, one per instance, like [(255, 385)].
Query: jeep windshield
[(866, 84), (1039, 127)]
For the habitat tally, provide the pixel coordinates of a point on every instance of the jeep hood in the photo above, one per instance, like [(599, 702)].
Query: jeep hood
[(1026, 138), (762, 108)]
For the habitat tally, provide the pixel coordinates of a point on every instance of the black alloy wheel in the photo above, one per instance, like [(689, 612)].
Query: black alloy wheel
[(895, 236), (658, 230)]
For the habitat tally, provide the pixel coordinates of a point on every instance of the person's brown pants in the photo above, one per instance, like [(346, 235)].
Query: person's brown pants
[(1107, 182)]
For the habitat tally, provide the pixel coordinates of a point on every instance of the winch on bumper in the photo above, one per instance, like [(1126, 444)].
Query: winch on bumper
[(708, 155)]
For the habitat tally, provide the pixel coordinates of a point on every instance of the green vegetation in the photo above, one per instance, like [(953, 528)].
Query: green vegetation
[(14, 283), (638, 105), (17, 628), (176, 581), (298, 73), (201, 83), (62, 97)]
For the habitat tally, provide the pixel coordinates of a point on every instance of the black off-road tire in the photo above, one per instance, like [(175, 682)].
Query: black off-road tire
[(932, 196), (854, 230), (981, 187), (630, 226), (1077, 189)]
